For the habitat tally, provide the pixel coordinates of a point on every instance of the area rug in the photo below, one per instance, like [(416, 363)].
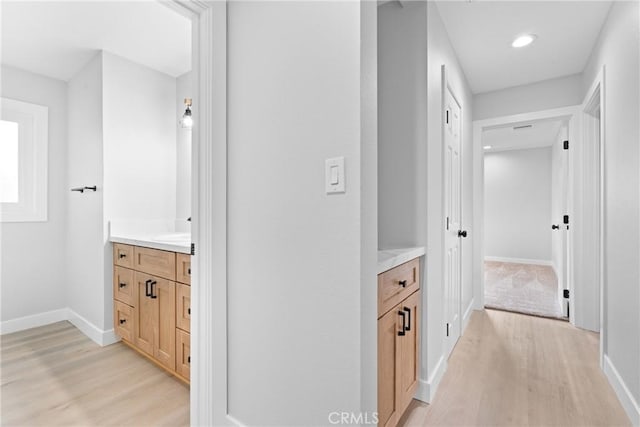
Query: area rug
[(523, 288)]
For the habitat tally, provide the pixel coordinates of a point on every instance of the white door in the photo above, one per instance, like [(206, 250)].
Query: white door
[(453, 210)]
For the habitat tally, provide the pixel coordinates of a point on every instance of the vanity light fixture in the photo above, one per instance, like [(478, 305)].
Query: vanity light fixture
[(187, 120), (524, 40)]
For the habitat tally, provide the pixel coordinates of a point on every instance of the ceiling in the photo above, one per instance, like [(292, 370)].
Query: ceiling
[(540, 134), (57, 38), (481, 33)]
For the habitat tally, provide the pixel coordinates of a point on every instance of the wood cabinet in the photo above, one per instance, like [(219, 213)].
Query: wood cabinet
[(398, 340), (152, 311)]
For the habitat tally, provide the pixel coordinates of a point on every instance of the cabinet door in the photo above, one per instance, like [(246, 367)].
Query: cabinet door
[(146, 314), (408, 348), (183, 268), (388, 328), (183, 354), (183, 307), (123, 320), (164, 292), (123, 255), (123, 288)]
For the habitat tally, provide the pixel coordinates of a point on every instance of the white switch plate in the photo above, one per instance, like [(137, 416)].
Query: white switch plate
[(334, 175)]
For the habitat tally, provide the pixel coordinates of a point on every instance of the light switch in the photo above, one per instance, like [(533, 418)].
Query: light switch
[(334, 175)]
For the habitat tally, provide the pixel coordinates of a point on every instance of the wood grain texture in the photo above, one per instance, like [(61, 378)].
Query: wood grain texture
[(54, 376), (515, 370)]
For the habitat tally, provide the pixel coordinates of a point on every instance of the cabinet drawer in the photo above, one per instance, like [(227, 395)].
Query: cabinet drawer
[(123, 255), (183, 268), (155, 262), (183, 307), (396, 284), (183, 354), (123, 319), (123, 286)]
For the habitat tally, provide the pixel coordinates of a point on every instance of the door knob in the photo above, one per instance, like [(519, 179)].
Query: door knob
[(555, 227), (462, 233)]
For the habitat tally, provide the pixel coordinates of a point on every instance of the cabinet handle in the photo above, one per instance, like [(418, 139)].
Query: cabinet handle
[(189, 360), (123, 321), (147, 293), (122, 255), (401, 333), (408, 310), (403, 283), (152, 295), (122, 285), (189, 271), (189, 311)]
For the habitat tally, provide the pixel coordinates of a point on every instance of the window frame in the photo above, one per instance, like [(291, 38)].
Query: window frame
[(33, 145)]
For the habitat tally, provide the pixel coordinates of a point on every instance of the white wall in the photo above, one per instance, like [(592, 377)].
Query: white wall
[(617, 49), (139, 128), (184, 89), (402, 124), (545, 95), (33, 253), (86, 289), (293, 251), (517, 204), (440, 51)]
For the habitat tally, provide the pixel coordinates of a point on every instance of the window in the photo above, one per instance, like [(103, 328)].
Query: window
[(23, 161)]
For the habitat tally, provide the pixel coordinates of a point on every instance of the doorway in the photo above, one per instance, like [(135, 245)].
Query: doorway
[(525, 195)]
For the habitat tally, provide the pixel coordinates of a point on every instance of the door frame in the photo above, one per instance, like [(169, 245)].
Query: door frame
[(209, 404), (564, 113), (594, 101)]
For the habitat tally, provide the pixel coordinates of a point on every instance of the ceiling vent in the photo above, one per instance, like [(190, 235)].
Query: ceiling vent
[(522, 127)]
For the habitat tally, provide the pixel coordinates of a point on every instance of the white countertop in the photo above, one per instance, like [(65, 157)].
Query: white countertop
[(151, 234), (390, 258)]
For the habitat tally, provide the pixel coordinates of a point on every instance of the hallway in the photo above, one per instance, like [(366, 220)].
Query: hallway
[(516, 370)]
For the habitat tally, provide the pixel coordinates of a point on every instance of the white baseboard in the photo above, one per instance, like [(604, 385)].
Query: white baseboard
[(427, 389), (100, 337), (622, 391), (33, 321), (467, 316), (96, 334), (519, 260)]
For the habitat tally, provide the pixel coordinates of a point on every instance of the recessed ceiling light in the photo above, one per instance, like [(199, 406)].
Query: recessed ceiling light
[(524, 40), (487, 147)]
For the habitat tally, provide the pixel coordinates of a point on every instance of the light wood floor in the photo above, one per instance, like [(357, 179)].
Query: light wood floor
[(54, 375), (516, 370)]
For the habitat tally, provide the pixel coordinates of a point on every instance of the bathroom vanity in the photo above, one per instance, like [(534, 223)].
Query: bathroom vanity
[(152, 306), (398, 331)]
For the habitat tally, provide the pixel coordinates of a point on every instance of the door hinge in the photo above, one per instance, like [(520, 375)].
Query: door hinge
[(565, 219), (447, 223), (447, 329), (193, 249), (447, 117), (565, 293), (566, 145)]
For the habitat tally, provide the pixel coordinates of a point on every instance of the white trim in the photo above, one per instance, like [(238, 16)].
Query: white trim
[(427, 389), (467, 316), (478, 182), (519, 260), (209, 210), (597, 91), (97, 335), (33, 321), (33, 162), (627, 400)]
